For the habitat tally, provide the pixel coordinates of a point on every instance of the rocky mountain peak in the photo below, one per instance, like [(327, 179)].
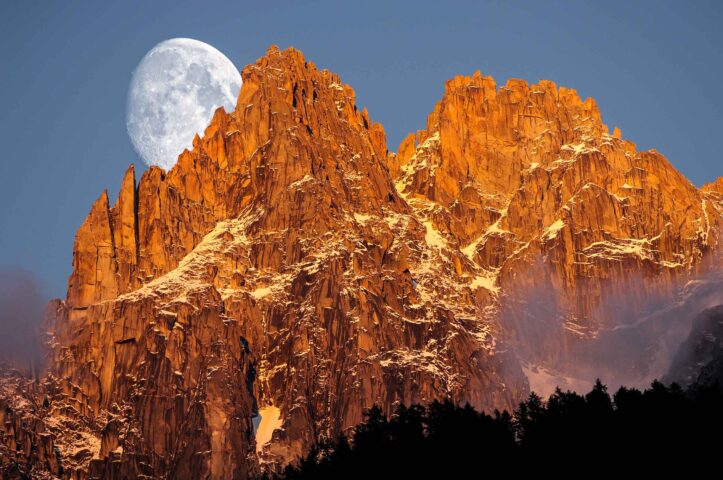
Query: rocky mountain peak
[(296, 139), (489, 136), (288, 272), (716, 187)]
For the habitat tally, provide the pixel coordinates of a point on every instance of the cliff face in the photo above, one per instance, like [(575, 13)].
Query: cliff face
[(290, 266), (700, 356), (571, 220)]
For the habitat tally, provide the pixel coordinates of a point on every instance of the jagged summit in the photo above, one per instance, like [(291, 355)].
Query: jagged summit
[(528, 175), (290, 266), (294, 126)]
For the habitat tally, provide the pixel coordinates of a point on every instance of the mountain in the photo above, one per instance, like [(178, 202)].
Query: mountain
[(290, 271), (700, 357)]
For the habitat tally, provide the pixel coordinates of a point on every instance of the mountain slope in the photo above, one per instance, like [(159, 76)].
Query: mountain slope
[(699, 357), (529, 183), (290, 266)]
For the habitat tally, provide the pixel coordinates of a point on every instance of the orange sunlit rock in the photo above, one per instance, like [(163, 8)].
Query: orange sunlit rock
[(290, 264)]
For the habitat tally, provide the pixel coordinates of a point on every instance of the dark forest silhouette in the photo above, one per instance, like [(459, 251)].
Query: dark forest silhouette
[(575, 435)]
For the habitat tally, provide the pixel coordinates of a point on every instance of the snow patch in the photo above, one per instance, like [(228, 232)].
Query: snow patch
[(471, 249), (417, 162), (362, 218), (415, 360), (191, 273), (433, 237), (270, 422), (486, 280), (578, 148), (552, 231), (620, 248), (307, 178), (261, 292), (705, 236)]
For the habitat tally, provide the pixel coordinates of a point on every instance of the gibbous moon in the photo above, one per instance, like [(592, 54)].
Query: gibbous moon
[(173, 94)]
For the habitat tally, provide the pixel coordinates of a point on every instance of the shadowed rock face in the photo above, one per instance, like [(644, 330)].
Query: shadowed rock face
[(700, 357), (290, 264)]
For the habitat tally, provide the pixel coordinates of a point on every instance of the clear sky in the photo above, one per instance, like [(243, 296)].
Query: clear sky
[(654, 68)]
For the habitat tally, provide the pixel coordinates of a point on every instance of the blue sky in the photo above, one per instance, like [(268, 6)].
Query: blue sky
[(653, 67)]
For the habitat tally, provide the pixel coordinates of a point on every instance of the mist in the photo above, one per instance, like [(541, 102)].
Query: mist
[(644, 329), (642, 349), (22, 307)]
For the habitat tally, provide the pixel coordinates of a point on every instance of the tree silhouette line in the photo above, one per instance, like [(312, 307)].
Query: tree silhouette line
[(658, 429)]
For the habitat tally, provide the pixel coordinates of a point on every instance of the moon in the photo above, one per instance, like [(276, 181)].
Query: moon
[(174, 91)]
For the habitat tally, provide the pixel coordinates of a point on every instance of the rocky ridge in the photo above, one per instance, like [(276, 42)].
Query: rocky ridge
[(290, 266), (528, 182)]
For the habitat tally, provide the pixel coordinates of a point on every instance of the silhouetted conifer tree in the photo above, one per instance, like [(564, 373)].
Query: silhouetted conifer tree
[(568, 434)]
